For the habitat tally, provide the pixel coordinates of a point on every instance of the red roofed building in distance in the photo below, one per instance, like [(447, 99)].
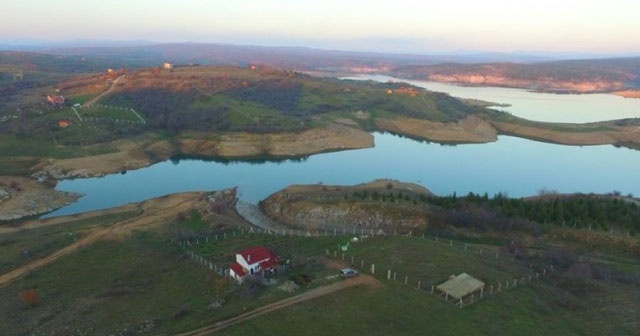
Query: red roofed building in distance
[(55, 100), (251, 261)]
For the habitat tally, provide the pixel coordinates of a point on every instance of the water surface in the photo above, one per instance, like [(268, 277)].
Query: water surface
[(514, 166)]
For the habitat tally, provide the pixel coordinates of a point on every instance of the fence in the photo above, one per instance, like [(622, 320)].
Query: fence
[(423, 284), (429, 286)]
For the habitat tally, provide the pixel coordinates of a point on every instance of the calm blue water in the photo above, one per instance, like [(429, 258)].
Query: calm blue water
[(511, 165)]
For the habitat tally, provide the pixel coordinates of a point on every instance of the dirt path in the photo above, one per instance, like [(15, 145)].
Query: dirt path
[(109, 90), (152, 212), (309, 295)]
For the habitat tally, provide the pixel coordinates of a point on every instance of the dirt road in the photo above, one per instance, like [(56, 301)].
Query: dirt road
[(152, 212), (109, 90), (306, 296)]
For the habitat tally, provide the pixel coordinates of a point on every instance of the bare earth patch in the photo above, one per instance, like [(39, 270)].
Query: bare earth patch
[(468, 130), (23, 197)]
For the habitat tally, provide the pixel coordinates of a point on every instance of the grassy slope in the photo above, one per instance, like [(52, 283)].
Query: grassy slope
[(144, 280)]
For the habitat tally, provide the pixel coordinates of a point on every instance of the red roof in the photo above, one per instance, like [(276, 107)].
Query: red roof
[(237, 269), (260, 255)]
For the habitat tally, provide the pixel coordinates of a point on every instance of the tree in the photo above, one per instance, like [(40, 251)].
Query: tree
[(29, 297)]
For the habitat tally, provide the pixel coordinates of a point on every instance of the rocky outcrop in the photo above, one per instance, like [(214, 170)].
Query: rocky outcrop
[(21, 197), (468, 130), (382, 205), (242, 144)]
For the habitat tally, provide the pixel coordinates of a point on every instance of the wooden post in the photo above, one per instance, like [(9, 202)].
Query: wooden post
[(389, 275), (394, 276), (351, 260), (432, 289), (418, 284), (406, 279), (361, 264), (491, 289), (507, 286), (373, 269)]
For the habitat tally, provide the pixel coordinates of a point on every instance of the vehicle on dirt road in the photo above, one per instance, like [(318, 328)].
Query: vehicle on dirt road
[(348, 273)]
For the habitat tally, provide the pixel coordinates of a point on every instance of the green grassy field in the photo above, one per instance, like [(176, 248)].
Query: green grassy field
[(145, 285), (23, 246)]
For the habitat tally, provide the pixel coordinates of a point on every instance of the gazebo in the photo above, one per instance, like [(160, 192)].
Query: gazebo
[(459, 287)]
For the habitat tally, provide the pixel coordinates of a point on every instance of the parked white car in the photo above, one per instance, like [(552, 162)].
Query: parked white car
[(348, 273)]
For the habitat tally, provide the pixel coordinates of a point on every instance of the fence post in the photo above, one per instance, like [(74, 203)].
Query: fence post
[(431, 289), (361, 264), (351, 260), (388, 274), (418, 284), (373, 269), (465, 246), (406, 279), (394, 276)]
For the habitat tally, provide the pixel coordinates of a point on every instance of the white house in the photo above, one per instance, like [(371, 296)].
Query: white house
[(253, 261)]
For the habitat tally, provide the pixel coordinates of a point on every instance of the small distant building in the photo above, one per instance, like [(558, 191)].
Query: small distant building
[(167, 65), (460, 288), (255, 260), (64, 123), (55, 100)]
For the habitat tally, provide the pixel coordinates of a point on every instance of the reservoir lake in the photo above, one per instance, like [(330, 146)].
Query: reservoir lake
[(514, 166)]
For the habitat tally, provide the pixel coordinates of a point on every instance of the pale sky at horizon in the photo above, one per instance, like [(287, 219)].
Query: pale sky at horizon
[(588, 26)]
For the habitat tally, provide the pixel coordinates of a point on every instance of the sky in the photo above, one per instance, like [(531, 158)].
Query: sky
[(586, 26)]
